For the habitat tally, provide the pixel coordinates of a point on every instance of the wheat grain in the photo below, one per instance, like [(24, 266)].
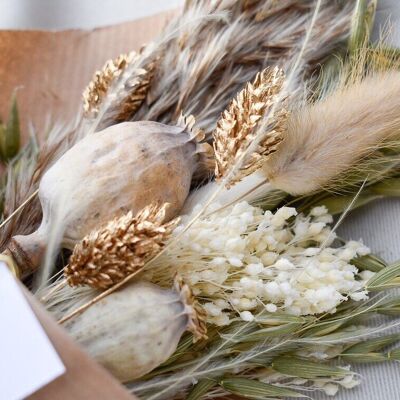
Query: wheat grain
[(235, 128), (107, 255)]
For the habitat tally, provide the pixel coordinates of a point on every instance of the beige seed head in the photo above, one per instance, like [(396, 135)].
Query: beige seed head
[(236, 127), (107, 255)]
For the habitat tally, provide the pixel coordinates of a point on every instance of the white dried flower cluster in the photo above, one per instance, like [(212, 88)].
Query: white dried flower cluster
[(241, 259)]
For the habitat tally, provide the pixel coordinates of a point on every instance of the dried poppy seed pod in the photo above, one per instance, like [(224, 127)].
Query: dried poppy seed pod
[(136, 329), (122, 168)]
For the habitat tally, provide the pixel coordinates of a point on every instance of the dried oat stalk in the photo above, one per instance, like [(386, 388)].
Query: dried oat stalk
[(97, 89), (236, 127), (107, 255)]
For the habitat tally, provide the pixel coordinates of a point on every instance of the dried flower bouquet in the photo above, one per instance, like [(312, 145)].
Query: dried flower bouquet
[(204, 260)]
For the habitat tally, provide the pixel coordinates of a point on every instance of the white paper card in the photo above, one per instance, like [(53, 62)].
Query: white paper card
[(28, 360)]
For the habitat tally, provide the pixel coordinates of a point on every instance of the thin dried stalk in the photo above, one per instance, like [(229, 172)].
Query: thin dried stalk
[(107, 255), (236, 127)]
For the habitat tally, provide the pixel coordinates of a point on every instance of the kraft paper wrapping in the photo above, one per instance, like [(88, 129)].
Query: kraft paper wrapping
[(51, 69)]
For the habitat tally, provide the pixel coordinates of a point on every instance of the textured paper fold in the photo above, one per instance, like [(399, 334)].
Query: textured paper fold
[(51, 69)]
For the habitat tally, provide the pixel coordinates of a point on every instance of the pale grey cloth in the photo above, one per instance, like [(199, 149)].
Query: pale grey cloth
[(378, 225)]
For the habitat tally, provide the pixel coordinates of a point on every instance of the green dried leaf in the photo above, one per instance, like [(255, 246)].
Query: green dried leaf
[(385, 279), (360, 26), (306, 369), (394, 355), (253, 389), (368, 351), (388, 187), (390, 307), (338, 204), (369, 262), (12, 137), (200, 389), (262, 334), (364, 358), (373, 345), (325, 328), (279, 319)]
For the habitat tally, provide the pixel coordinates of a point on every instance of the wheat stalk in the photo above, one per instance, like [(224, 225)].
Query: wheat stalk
[(107, 255), (101, 81), (129, 97), (236, 127)]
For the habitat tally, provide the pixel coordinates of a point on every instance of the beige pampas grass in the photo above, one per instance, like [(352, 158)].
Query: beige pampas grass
[(107, 255), (236, 127), (332, 138)]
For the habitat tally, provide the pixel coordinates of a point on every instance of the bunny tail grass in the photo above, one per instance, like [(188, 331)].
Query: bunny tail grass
[(331, 139)]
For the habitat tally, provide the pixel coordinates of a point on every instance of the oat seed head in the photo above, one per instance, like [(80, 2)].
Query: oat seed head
[(236, 127), (107, 255)]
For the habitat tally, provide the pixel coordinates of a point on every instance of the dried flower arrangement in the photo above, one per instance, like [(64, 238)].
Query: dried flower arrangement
[(302, 113)]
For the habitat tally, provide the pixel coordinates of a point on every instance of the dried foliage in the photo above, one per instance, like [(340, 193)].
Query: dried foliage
[(208, 55), (107, 255), (136, 88), (236, 127), (214, 48)]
